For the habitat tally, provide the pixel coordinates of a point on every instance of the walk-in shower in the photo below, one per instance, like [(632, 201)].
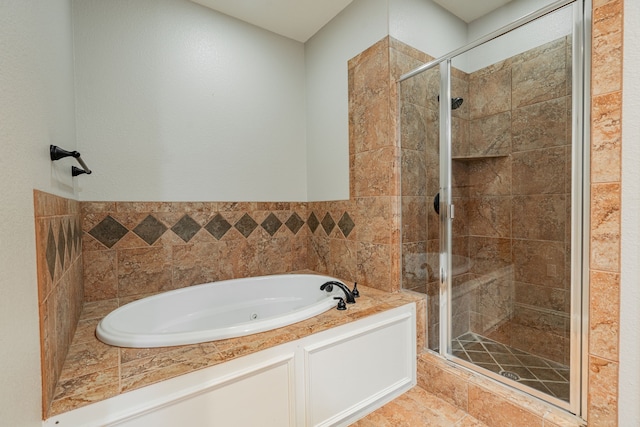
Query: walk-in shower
[(493, 201)]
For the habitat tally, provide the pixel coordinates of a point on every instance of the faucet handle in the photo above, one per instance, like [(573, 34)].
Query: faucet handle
[(341, 304), (355, 292)]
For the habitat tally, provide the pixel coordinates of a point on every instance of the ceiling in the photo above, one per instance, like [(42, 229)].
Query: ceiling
[(301, 19), (295, 19), (470, 10)]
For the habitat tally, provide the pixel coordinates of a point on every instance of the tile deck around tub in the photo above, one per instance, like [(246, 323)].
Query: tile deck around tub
[(94, 371)]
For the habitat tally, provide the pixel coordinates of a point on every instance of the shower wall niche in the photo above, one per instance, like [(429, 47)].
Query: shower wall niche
[(511, 172)]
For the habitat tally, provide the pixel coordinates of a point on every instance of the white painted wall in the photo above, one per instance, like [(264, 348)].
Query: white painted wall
[(178, 102), (360, 25), (420, 24), (629, 388), (36, 109), (426, 26), (548, 28)]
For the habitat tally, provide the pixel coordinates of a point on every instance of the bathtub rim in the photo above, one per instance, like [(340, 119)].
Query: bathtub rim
[(107, 334)]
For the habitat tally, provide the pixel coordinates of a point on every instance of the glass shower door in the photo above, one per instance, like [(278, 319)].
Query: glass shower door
[(420, 180), (511, 167), (494, 200)]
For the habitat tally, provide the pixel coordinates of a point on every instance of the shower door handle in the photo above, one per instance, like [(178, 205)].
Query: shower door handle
[(436, 203)]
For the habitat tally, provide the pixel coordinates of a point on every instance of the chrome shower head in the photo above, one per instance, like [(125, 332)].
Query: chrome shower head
[(456, 103)]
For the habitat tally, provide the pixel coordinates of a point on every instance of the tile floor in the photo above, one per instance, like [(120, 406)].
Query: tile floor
[(415, 408), (541, 374)]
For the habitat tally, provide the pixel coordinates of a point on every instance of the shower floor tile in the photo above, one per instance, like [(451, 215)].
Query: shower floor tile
[(536, 372)]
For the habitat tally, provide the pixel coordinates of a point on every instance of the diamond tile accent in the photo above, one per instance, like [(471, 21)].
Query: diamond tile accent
[(77, 236), (246, 225), (294, 223), (108, 231), (50, 253), (62, 245), (186, 228), (313, 222), (328, 223), (271, 224), (70, 241), (218, 226), (150, 229), (346, 224)]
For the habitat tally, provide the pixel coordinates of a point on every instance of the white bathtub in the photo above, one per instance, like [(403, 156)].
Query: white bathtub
[(218, 310)]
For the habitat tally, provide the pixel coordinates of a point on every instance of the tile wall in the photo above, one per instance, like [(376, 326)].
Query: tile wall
[(60, 293), (606, 138), (523, 219), (135, 248)]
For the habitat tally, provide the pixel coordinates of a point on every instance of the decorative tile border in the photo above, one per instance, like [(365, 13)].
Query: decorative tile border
[(109, 231)]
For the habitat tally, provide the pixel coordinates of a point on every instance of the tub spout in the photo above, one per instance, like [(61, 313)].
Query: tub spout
[(350, 298)]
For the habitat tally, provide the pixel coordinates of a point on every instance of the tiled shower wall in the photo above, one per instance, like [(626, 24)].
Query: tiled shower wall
[(60, 293), (521, 109), (511, 189)]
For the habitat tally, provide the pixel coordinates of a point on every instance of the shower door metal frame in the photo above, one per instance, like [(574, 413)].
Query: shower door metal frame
[(580, 197)]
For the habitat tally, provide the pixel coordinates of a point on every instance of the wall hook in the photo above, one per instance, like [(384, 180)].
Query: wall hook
[(57, 153)]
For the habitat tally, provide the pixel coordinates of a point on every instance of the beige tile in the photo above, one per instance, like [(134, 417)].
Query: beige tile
[(498, 412), (319, 253), (241, 259), (374, 265), (603, 390), (533, 257), (539, 217), (541, 125), (342, 254), (491, 135), (100, 275), (486, 216), (489, 93), (414, 176), (604, 314), (87, 383), (194, 264), (81, 391), (416, 407), (461, 129), (98, 309), (490, 254), (413, 126), (374, 214), (539, 171), (373, 172), (164, 373), (491, 177), (143, 270), (89, 357), (540, 78), (442, 384), (540, 296), (606, 61), (606, 137), (160, 359), (605, 227), (275, 256)]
